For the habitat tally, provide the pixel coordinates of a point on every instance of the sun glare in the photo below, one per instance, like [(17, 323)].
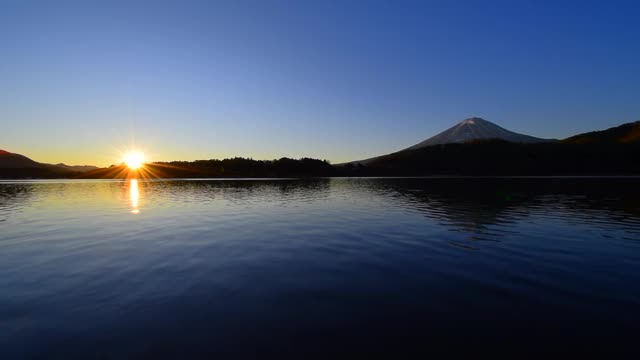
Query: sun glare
[(134, 160)]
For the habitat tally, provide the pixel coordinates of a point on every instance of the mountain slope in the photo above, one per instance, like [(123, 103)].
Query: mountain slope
[(11, 160), (468, 130), (623, 134), (19, 166), (475, 128)]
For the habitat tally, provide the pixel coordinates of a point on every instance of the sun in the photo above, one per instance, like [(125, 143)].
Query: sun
[(134, 160)]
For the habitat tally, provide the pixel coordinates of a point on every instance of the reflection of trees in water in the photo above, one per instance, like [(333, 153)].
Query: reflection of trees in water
[(14, 192), (241, 191), (488, 207), (13, 197)]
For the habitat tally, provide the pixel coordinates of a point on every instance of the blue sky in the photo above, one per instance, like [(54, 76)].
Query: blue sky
[(81, 82)]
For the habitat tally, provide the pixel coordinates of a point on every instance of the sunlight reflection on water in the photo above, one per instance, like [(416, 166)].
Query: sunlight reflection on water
[(134, 194)]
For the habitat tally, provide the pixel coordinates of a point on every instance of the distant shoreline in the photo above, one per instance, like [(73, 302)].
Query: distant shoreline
[(434, 177)]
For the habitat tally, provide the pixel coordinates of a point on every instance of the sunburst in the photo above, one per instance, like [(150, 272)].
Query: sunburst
[(134, 160)]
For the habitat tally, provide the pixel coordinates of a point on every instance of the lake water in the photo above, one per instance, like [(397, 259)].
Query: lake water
[(251, 268)]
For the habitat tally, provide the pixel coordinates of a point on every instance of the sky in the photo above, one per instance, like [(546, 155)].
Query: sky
[(83, 82)]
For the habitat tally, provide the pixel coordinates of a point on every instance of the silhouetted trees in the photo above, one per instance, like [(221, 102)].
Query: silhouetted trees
[(243, 167)]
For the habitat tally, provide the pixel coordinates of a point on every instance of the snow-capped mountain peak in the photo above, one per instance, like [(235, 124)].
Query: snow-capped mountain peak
[(475, 128)]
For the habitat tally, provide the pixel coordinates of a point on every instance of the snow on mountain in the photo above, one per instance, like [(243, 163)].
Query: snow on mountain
[(475, 128), (471, 129)]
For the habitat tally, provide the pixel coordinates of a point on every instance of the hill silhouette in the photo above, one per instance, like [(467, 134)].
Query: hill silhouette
[(14, 165), (11, 160), (624, 134), (498, 158)]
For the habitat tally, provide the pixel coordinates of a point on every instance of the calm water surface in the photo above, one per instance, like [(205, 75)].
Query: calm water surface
[(248, 268)]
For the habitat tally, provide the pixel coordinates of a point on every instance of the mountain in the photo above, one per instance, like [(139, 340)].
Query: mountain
[(11, 160), (475, 128), (469, 130), (607, 152), (623, 134), (14, 165)]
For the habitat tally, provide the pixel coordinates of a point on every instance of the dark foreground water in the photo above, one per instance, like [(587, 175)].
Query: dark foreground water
[(256, 268)]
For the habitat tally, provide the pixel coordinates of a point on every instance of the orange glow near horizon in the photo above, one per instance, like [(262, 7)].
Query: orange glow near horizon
[(134, 159)]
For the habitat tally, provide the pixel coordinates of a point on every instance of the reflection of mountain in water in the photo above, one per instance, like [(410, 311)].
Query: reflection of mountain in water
[(487, 207)]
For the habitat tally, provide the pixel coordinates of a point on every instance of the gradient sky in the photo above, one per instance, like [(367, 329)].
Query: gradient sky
[(82, 81)]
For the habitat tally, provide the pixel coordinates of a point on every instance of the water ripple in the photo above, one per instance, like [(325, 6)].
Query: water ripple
[(225, 266)]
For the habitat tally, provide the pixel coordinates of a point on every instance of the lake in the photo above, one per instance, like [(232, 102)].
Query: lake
[(248, 268)]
